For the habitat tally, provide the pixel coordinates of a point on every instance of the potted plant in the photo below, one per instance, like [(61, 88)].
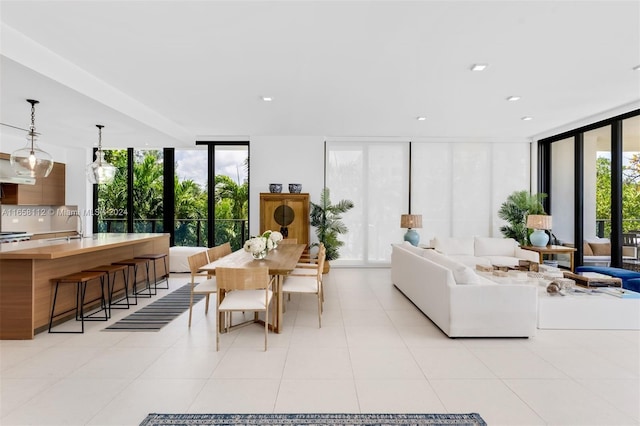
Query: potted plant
[(515, 210), (327, 219)]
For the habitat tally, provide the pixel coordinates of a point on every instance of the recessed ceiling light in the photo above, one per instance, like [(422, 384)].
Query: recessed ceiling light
[(421, 118), (513, 98), (526, 118), (479, 67), (267, 98), (636, 68)]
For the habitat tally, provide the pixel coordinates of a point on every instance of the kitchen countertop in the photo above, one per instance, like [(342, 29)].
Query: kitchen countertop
[(55, 248)]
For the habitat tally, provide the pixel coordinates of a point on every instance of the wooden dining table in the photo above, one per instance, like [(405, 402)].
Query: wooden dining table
[(280, 261)]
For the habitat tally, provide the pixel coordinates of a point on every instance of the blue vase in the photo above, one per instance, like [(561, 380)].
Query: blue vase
[(412, 236), (539, 238)]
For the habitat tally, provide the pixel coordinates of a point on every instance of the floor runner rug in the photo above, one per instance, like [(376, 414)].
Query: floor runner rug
[(471, 419), (159, 313)]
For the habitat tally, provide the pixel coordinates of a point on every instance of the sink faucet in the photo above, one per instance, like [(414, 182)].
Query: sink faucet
[(80, 233)]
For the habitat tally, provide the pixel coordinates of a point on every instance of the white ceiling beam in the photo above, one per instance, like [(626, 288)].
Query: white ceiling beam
[(25, 51)]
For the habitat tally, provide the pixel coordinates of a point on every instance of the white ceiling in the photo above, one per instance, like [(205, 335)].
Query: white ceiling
[(165, 73)]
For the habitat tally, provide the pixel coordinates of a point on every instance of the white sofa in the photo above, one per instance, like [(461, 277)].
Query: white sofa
[(485, 251), (459, 301)]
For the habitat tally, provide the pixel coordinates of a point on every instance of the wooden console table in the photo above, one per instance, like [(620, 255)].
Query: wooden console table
[(551, 250)]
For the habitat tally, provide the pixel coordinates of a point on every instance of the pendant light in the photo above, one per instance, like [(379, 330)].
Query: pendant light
[(100, 171), (31, 160)]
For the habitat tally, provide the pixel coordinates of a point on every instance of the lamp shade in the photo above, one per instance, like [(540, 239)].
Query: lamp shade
[(31, 161), (411, 221), (539, 221), (100, 171)]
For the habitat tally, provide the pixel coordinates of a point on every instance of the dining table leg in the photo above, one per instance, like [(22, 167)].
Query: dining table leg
[(277, 321)]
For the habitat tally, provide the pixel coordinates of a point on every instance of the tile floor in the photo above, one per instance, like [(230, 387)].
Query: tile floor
[(374, 353)]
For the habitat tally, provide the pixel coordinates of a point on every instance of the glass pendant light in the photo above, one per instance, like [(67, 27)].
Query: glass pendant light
[(100, 171), (31, 160)]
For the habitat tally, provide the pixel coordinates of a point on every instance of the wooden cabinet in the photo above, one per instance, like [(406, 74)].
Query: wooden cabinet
[(287, 213), (49, 191)]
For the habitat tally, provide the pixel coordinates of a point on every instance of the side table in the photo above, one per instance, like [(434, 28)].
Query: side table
[(551, 250)]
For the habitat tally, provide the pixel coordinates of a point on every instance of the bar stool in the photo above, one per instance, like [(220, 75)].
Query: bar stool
[(153, 257), (80, 279), (135, 263), (111, 283)]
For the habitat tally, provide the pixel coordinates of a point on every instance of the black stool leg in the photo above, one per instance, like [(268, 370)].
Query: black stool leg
[(53, 308)]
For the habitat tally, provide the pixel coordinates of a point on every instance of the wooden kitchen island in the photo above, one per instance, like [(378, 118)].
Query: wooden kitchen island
[(26, 270)]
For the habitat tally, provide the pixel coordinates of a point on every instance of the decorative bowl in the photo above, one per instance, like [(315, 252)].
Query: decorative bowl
[(295, 188), (275, 188)]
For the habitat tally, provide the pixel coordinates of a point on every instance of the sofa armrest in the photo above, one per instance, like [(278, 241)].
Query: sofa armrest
[(527, 255)]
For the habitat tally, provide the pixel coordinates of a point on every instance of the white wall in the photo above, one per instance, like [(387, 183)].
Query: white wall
[(285, 160)]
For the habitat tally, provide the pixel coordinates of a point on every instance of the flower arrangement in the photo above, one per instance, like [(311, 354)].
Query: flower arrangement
[(259, 246)]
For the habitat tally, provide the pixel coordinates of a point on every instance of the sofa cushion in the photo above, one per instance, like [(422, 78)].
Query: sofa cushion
[(487, 246), (600, 249), (462, 274), (454, 245), (586, 249)]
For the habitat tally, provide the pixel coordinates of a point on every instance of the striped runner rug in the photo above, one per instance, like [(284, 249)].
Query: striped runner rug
[(157, 314), (313, 419)]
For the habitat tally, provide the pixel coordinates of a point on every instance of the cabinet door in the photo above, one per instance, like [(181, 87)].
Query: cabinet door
[(53, 190), (287, 213)]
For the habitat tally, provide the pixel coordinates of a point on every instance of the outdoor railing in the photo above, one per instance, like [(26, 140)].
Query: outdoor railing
[(603, 226), (187, 232)]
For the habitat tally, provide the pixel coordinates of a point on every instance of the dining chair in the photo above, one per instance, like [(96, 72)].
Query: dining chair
[(243, 289), (216, 252), (205, 286), (307, 279)]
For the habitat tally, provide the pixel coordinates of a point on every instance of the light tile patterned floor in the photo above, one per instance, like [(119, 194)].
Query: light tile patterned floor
[(375, 353)]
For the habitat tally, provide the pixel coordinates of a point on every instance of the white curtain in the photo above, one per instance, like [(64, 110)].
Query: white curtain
[(456, 187)]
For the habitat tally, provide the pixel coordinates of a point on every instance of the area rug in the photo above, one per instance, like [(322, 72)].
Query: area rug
[(159, 313), (154, 419)]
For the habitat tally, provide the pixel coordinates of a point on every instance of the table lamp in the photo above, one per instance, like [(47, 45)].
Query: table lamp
[(411, 221), (539, 223)]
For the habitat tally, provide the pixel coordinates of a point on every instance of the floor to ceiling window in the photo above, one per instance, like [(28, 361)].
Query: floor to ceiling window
[(190, 189), (562, 186), (374, 176), (631, 175), (600, 198), (111, 199), (456, 187), (231, 166), (148, 194), (597, 183), (199, 195)]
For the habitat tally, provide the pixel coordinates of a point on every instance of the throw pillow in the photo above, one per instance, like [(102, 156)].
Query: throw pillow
[(462, 274), (586, 249), (601, 249), (488, 246), (454, 245)]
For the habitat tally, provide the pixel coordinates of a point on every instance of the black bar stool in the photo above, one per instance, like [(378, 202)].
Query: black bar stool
[(135, 264), (123, 303), (80, 279), (154, 257)]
